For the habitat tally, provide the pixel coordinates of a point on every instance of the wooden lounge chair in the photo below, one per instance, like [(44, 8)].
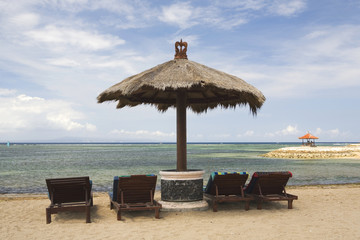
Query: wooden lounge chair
[(134, 193), (270, 186), (69, 194), (227, 187)]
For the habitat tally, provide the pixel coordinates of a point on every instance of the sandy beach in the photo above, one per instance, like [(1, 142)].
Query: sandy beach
[(322, 212), (305, 152)]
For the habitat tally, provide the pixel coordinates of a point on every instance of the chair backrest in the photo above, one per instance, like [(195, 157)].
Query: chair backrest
[(136, 188), (67, 190), (269, 182), (227, 183)]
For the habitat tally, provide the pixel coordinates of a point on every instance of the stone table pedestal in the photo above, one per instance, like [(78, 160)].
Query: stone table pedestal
[(182, 190)]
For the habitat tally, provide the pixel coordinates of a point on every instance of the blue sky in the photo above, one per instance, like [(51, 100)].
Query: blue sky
[(57, 56)]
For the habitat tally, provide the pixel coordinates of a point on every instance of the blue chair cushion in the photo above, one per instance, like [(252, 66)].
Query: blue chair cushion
[(113, 194)]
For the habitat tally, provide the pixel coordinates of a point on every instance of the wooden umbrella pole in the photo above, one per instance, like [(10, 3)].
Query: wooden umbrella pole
[(181, 131)]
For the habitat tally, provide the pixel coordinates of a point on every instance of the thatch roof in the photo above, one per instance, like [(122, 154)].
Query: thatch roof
[(206, 88)]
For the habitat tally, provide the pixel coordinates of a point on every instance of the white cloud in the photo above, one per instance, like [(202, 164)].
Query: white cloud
[(180, 14), (124, 14), (318, 131), (142, 134), (7, 92), (248, 133), (63, 62), (287, 7), (323, 134), (231, 23), (227, 14), (185, 15), (288, 131), (275, 7), (324, 58), (26, 113), (120, 14), (331, 135), (128, 66), (220, 136), (315, 34), (334, 131), (69, 5), (242, 4), (25, 20), (90, 127), (63, 121), (67, 37)]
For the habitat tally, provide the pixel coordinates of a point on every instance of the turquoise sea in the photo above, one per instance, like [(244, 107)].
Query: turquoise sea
[(24, 167)]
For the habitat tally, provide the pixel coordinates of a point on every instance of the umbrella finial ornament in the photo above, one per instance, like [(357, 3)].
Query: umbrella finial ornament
[(180, 50)]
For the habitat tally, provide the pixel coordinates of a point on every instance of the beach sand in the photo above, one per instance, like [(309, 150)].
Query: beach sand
[(322, 212), (323, 152)]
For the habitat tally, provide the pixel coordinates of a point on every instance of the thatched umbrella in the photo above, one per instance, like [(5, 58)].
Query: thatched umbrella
[(183, 84)]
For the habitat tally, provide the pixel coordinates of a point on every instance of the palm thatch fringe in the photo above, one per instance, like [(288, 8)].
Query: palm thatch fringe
[(206, 88)]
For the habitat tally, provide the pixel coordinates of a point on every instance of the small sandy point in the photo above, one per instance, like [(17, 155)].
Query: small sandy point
[(327, 152)]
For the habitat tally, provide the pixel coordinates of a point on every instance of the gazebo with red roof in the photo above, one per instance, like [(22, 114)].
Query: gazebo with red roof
[(310, 140)]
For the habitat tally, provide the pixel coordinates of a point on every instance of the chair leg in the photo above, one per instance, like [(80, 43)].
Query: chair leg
[(247, 205), (111, 205), (119, 215), (215, 206), (88, 215), (290, 204), (157, 214), (259, 204), (48, 216)]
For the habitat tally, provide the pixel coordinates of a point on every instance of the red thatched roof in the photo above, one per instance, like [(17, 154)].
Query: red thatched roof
[(308, 136)]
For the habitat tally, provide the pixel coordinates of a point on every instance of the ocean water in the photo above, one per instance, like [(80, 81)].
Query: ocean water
[(24, 167)]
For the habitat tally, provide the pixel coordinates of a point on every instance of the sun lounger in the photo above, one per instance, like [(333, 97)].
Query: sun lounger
[(134, 193), (227, 187), (69, 194), (270, 186)]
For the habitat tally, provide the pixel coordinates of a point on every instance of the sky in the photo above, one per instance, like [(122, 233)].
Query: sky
[(57, 56)]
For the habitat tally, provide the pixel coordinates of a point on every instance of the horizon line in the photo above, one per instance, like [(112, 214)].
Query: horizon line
[(160, 142)]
